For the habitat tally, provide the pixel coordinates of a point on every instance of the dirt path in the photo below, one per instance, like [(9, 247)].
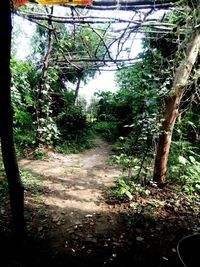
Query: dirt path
[(70, 222), (73, 194), (75, 182)]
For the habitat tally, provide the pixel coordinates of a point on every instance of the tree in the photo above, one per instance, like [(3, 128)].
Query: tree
[(79, 50), (138, 101), (16, 190), (62, 44), (24, 80), (173, 100), (43, 98)]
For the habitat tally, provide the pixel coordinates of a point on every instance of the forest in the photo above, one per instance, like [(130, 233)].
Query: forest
[(111, 180)]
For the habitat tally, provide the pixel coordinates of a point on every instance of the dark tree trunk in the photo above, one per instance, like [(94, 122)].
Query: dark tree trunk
[(77, 88), (49, 49), (172, 103), (16, 190)]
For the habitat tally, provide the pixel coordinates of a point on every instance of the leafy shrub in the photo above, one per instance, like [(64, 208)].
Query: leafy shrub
[(125, 188), (128, 163), (108, 130), (71, 146), (71, 123), (49, 133), (75, 131), (184, 166), (39, 153), (31, 183), (3, 186), (24, 138)]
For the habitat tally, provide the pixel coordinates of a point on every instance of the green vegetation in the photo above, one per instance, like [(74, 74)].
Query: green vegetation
[(184, 166), (132, 117), (45, 112), (30, 182), (48, 113)]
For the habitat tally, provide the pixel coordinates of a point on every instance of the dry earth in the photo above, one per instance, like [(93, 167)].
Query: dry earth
[(73, 189), (72, 222), (74, 184)]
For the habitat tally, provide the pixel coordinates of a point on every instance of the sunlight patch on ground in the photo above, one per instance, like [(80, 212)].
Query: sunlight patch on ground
[(67, 204)]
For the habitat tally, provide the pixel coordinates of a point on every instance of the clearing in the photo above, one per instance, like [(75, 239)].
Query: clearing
[(73, 221)]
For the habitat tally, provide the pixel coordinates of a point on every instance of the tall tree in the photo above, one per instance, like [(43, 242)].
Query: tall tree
[(78, 84), (43, 102), (172, 102), (16, 190)]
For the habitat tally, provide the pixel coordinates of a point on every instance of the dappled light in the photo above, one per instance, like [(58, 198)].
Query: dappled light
[(104, 179), (74, 219), (74, 181)]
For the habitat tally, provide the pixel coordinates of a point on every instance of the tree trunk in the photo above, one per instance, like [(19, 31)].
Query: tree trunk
[(77, 88), (172, 104), (49, 49), (43, 99), (16, 190)]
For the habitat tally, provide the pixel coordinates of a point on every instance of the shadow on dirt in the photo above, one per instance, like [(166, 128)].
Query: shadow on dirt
[(72, 221), (110, 239)]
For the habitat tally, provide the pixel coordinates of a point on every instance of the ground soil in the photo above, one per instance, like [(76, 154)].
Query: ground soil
[(72, 220)]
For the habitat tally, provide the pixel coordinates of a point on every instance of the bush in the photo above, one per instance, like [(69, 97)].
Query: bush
[(125, 189), (72, 123), (108, 130), (184, 166), (69, 147), (24, 138), (76, 131)]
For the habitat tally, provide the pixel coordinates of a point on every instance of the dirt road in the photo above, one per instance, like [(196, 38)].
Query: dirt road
[(72, 223), (73, 188), (74, 183)]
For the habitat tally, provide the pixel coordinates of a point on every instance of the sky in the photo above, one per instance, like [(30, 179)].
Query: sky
[(24, 37), (106, 79), (102, 81)]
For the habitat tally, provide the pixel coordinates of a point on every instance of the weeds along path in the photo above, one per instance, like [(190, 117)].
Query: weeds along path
[(72, 188)]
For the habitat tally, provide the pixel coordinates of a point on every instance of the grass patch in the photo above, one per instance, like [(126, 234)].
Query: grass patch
[(31, 183)]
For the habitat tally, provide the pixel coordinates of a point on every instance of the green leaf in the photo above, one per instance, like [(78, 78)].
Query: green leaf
[(192, 159), (182, 160), (129, 195)]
